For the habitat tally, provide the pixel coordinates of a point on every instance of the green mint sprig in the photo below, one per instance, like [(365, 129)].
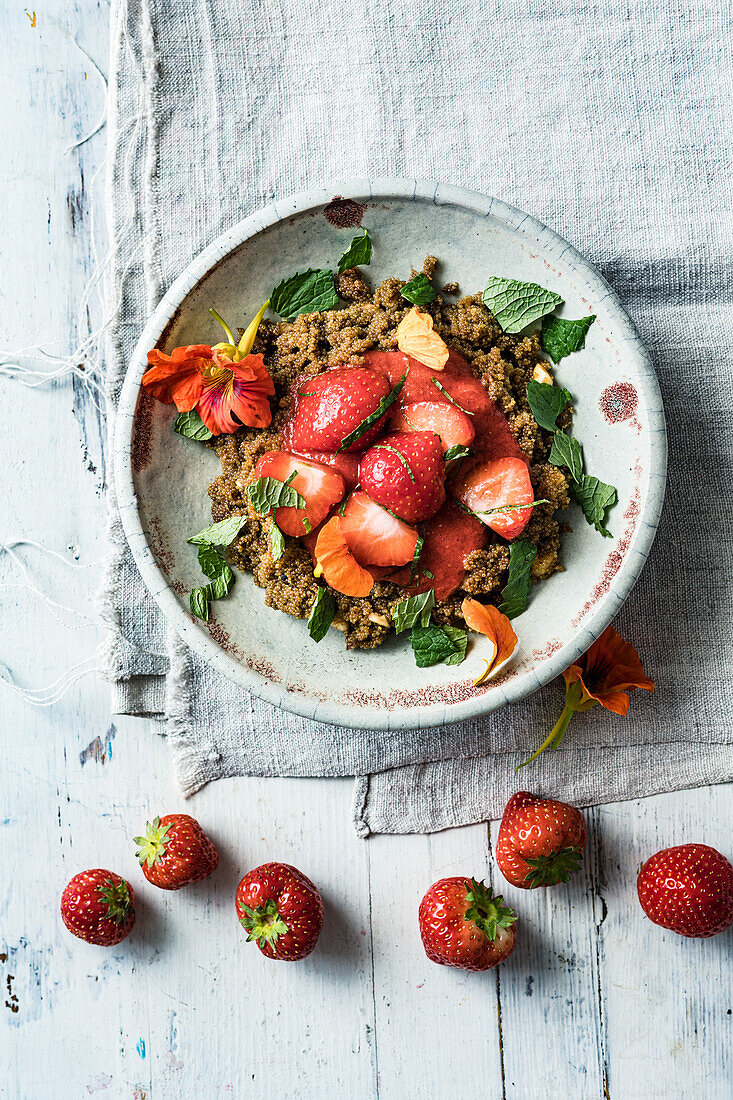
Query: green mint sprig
[(515, 594), (546, 402), (213, 564), (433, 645), (515, 304), (359, 253), (414, 611), (420, 291), (311, 291), (322, 614), (190, 425), (268, 493), (595, 498), (561, 337)]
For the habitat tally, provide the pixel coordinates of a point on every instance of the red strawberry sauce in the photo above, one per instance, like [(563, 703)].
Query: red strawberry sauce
[(451, 535)]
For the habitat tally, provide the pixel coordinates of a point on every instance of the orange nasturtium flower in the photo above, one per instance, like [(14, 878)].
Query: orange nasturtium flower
[(337, 565), (605, 674), (487, 619), (225, 384)]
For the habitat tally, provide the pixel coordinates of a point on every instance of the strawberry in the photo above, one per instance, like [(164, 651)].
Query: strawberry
[(540, 841), (345, 464), (175, 851), (321, 487), (453, 426), (99, 907), (374, 536), (281, 910), (462, 924), (405, 473), (498, 483), (330, 406), (688, 889)]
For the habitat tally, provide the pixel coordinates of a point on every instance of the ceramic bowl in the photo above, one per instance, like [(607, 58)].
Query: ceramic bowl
[(161, 479)]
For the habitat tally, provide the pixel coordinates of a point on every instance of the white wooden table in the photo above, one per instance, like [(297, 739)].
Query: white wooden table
[(595, 1002)]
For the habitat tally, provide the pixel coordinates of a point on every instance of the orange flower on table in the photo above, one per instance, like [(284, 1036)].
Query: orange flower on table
[(225, 384), (337, 565), (609, 670), (416, 337), (487, 619)]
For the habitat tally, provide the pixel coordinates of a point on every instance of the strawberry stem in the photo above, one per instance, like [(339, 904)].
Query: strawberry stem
[(151, 847), (487, 912), (263, 923), (116, 896), (554, 868)]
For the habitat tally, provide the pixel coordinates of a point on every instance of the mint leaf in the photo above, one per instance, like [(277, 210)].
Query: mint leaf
[(560, 337), (269, 493), (219, 534), (400, 456), (363, 428), (322, 614), (416, 558), (199, 603), (502, 508), (546, 402), (305, 292), (515, 595), (419, 290), (566, 451), (595, 498), (459, 638), (457, 451), (277, 542), (190, 425), (358, 252), (214, 566), (515, 304), (408, 613), (445, 393), (433, 644)]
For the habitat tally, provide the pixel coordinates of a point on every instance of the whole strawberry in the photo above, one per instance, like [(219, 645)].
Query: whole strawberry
[(99, 907), (462, 924), (175, 851), (405, 473), (331, 410), (540, 841), (688, 889), (281, 910)]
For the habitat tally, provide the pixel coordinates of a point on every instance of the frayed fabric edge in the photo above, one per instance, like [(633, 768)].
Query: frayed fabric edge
[(358, 806)]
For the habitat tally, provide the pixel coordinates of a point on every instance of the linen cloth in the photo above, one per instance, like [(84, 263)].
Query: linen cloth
[(607, 121)]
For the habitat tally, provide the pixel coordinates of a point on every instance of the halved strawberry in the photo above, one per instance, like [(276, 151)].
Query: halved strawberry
[(503, 482), (329, 406), (453, 426), (321, 486), (405, 472), (374, 536), (340, 568), (345, 464)]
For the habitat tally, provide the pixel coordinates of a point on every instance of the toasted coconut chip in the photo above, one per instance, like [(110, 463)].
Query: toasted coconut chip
[(416, 337)]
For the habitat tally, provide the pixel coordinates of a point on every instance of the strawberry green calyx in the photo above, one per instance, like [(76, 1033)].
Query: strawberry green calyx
[(263, 923), (558, 867), (116, 896), (151, 847), (487, 912)]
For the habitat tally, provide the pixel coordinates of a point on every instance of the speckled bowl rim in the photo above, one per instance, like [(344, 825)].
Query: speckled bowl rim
[(435, 714)]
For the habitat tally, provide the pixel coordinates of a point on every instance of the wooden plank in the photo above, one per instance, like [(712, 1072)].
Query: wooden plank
[(552, 1029), (668, 999), (437, 1028)]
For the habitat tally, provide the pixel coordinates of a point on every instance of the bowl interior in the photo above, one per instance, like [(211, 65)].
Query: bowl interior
[(618, 420)]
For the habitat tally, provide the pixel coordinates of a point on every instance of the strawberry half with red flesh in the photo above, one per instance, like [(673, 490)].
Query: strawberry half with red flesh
[(374, 536), (456, 384), (448, 538), (453, 426), (321, 487), (98, 906), (499, 483), (281, 910), (688, 889), (540, 841), (330, 406), (462, 924), (175, 852), (405, 473)]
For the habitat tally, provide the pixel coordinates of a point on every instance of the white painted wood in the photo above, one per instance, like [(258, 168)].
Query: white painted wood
[(185, 1007)]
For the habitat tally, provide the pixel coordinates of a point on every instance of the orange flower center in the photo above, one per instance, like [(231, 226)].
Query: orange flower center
[(216, 377)]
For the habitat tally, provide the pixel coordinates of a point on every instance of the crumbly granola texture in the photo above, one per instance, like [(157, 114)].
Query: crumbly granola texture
[(316, 342)]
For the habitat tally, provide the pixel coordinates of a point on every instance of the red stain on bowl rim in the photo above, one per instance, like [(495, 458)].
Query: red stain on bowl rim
[(142, 431), (615, 559), (344, 213), (619, 403), (160, 546)]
